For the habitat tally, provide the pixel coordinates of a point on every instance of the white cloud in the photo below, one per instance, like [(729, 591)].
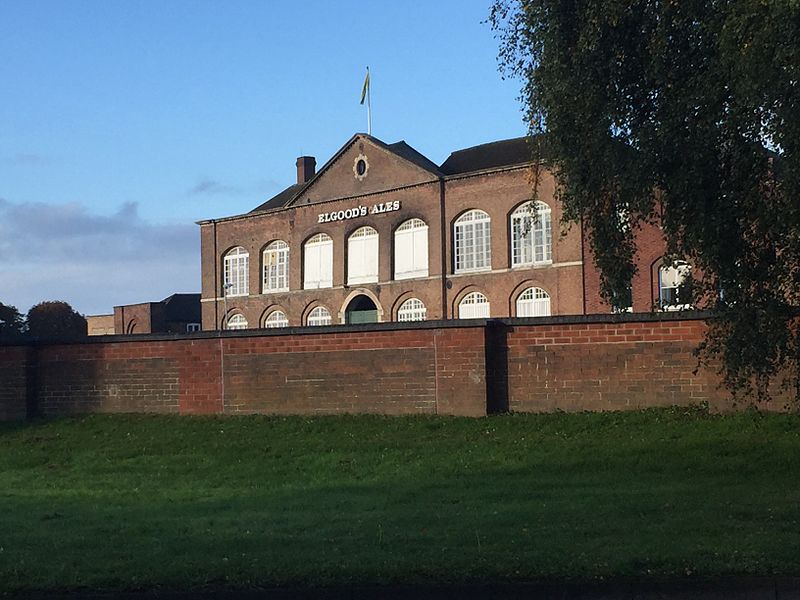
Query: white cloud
[(24, 159), (211, 187), (63, 252)]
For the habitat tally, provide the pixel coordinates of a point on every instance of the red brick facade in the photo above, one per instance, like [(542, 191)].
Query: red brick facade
[(455, 368), (423, 193)]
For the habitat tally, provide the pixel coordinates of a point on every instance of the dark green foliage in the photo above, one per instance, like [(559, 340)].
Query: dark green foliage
[(686, 113), (55, 319), (12, 324), (152, 501)]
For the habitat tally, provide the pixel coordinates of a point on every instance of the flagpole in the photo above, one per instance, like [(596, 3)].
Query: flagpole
[(369, 105)]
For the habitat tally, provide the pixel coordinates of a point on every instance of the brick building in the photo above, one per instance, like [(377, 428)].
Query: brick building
[(178, 313), (381, 233)]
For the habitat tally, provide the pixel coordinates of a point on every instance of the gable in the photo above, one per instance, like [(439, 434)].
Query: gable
[(382, 167)]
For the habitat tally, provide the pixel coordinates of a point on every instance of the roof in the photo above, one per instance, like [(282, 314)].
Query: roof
[(182, 307), (400, 148), (280, 199), (486, 156), (493, 155), (403, 150)]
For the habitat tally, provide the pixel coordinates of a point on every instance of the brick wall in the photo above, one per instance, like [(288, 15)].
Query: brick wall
[(357, 369), (623, 363), (15, 371), (457, 368)]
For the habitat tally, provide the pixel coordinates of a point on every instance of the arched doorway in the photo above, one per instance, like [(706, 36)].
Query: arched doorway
[(361, 310)]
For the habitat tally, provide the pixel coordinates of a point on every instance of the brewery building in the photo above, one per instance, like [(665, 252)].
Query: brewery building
[(380, 233)]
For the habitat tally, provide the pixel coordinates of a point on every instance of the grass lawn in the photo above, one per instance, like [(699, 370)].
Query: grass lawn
[(133, 501)]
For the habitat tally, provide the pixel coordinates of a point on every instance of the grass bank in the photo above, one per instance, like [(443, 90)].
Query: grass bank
[(118, 502)]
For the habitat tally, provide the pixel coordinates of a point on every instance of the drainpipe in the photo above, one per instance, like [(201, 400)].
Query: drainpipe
[(443, 245), (583, 268), (216, 278)]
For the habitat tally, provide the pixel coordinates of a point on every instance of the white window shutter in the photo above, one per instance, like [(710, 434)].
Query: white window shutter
[(403, 253), (325, 265), (421, 252), (312, 262), (371, 258)]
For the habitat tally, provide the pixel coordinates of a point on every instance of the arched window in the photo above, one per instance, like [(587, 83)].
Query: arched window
[(412, 310), (533, 302), (276, 267), (674, 286), (237, 265), (411, 250), (318, 262), (531, 235), (277, 318), (319, 316), (236, 322), (473, 306), (362, 256), (472, 237)]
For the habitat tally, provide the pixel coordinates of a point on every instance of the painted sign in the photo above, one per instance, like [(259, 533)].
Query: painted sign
[(359, 211)]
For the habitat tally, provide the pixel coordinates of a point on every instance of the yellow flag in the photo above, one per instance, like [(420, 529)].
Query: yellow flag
[(365, 89)]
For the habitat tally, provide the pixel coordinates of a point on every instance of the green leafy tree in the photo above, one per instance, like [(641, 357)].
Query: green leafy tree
[(55, 319), (12, 325), (685, 113)]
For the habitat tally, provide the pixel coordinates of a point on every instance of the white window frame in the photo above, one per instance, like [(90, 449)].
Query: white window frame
[(276, 319), (412, 309), (413, 234), (314, 249), (190, 327), (472, 242), (531, 235), (319, 316), (275, 260), (474, 305), (363, 256), (237, 272), (533, 302), (236, 321), (672, 277)]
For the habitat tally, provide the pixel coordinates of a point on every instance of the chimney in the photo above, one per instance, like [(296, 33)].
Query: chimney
[(306, 167)]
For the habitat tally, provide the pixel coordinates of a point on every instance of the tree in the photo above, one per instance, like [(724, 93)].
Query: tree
[(55, 319), (685, 113), (12, 324)]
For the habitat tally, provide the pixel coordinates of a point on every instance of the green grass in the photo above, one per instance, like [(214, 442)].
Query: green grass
[(115, 502)]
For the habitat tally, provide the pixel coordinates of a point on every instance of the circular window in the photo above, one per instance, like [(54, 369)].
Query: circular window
[(360, 167)]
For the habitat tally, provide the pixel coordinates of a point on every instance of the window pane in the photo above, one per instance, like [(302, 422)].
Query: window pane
[(236, 272), (533, 302), (474, 306), (412, 310), (276, 319), (472, 241), (319, 316), (531, 238), (276, 267)]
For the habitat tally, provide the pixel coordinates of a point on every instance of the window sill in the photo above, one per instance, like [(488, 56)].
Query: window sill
[(677, 308), (543, 263), (411, 275), (466, 271)]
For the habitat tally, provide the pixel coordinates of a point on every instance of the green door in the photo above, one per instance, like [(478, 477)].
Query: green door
[(362, 316), (361, 310)]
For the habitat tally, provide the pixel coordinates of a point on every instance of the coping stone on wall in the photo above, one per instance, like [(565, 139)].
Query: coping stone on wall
[(391, 326)]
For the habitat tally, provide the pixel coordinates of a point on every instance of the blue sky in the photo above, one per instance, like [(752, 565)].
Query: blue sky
[(123, 123)]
